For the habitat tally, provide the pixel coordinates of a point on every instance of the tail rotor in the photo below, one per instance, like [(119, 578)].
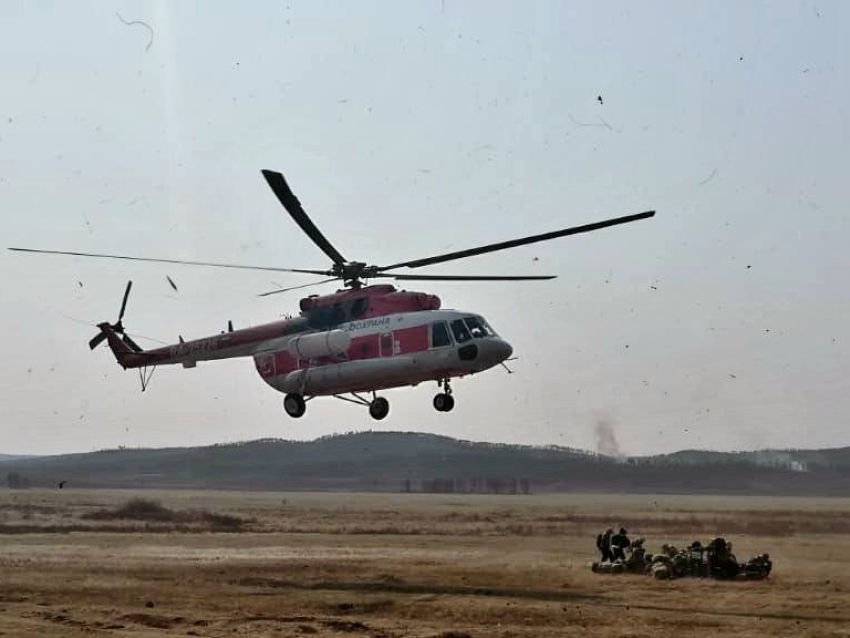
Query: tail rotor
[(118, 326)]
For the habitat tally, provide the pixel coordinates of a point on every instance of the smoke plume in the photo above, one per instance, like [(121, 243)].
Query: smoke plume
[(606, 439)]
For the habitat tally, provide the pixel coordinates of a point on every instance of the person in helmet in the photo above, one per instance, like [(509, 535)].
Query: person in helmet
[(603, 544), (619, 543)]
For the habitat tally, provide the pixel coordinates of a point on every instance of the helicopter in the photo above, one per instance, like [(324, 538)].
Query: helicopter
[(358, 341)]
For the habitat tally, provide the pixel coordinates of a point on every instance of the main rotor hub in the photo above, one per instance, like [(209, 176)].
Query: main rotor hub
[(353, 272)]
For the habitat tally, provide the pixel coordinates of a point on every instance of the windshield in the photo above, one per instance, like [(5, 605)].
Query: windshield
[(478, 328)]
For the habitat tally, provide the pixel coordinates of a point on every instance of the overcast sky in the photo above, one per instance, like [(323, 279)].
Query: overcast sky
[(412, 128)]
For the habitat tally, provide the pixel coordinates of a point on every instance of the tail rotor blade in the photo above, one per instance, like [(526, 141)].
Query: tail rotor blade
[(124, 302), (98, 339)]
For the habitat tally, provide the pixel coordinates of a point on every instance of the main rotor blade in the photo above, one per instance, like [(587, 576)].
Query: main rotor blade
[(94, 325), (160, 341), (460, 254), (180, 262), (293, 207), (315, 283), (466, 277), (80, 321), (98, 339), (124, 302)]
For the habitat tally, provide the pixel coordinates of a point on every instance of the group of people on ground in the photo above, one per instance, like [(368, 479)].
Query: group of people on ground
[(613, 546), (714, 560)]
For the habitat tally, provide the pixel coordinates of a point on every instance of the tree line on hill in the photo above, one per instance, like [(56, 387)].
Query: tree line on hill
[(399, 461)]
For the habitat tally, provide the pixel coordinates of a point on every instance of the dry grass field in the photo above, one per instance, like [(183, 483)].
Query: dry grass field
[(93, 562)]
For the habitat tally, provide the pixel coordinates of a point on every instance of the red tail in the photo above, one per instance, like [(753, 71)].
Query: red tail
[(124, 354)]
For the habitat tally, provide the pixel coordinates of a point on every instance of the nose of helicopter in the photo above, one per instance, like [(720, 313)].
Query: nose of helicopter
[(503, 350), (494, 351)]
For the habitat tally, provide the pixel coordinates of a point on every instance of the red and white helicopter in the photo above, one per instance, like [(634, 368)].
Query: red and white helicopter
[(361, 339)]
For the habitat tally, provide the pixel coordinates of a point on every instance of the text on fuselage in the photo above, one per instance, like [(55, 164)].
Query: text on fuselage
[(368, 323), (194, 347)]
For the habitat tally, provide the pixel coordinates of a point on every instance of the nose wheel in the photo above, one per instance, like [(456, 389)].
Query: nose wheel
[(444, 401)]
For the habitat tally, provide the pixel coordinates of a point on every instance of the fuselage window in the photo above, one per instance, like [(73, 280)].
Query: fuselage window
[(440, 335), (460, 332)]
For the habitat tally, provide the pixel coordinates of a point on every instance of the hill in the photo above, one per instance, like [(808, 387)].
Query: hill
[(798, 460), (399, 461), (13, 457)]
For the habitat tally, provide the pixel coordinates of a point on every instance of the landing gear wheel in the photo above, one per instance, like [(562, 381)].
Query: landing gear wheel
[(294, 405), (379, 408), (444, 402)]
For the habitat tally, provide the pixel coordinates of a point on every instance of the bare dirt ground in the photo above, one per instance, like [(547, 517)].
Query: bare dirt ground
[(449, 566)]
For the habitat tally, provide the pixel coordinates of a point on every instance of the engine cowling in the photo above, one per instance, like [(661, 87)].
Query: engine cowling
[(319, 344)]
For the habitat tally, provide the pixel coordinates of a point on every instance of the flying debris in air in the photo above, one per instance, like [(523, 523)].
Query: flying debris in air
[(599, 99), (139, 23), (170, 281)]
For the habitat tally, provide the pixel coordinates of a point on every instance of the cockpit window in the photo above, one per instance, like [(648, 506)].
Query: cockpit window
[(460, 332), (487, 327), (476, 327)]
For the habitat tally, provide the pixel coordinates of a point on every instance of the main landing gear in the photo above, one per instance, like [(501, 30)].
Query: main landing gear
[(444, 401), (379, 407), (294, 405)]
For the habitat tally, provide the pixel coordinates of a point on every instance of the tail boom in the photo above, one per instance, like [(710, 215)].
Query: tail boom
[(126, 356)]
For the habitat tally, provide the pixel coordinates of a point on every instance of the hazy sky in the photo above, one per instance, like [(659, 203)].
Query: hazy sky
[(411, 128)]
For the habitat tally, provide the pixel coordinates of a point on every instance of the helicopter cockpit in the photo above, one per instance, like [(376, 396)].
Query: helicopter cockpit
[(479, 347), (471, 327)]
